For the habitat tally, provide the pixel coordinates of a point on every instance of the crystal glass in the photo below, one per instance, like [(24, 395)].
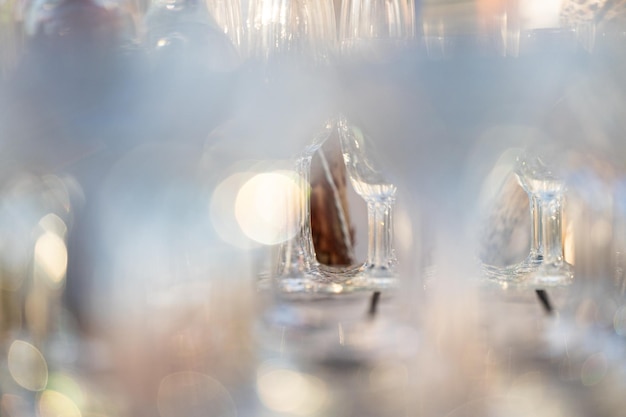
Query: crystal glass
[(375, 29), (292, 41), (227, 14), (284, 30), (549, 190), (370, 183), (298, 269), (372, 36), (516, 272), (545, 265)]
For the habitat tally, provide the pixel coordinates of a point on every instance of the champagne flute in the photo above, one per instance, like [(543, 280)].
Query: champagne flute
[(549, 189), (374, 187), (516, 272), (283, 35), (545, 265), (298, 269), (372, 33)]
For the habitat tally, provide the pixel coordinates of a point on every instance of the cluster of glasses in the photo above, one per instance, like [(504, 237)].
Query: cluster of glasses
[(366, 30), (192, 333), (298, 269), (288, 30)]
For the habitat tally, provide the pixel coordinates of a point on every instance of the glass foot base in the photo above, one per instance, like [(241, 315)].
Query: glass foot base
[(367, 278), (552, 276), (330, 280), (512, 274), (307, 285), (531, 273)]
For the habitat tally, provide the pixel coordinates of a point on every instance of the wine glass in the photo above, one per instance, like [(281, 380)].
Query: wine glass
[(516, 272), (227, 14), (549, 189), (298, 268), (281, 30), (291, 42), (371, 184), (375, 30), (371, 34), (545, 265)]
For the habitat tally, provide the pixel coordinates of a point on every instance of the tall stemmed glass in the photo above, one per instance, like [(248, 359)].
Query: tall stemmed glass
[(298, 268), (545, 265), (373, 34), (549, 189), (516, 272), (371, 184), (283, 36)]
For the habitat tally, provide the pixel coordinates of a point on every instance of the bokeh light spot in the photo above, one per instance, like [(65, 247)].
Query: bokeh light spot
[(540, 13), (51, 258), (287, 391), (266, 208), (68, 386), (53, 224), (55, 404), (27, 366), (594, 369), (222, 211), (194, 394)]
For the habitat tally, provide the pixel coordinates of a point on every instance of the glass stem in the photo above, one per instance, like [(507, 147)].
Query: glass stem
[(303, 169), (551, 229), (536, 246), (380, 252)]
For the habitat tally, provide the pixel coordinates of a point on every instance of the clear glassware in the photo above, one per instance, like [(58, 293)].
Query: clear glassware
[(279, 30), (545, 265), (549, 190), (371, 184), (227, 14), (374, 29), (514, 273), (372, 34), (298, 268), (283, 35)]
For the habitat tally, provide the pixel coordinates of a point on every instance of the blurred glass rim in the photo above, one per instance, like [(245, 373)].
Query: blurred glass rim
[(113, 19)]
